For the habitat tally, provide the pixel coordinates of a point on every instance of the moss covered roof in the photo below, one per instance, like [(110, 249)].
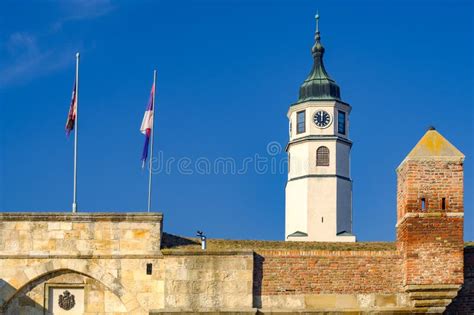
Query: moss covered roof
[(434, 145), (171, 243)]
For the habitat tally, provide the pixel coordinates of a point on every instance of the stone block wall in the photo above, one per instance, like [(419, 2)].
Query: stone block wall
[(349, 278), (125, 279), (40, 234), (208, 281), (96, 297), (106, 255)]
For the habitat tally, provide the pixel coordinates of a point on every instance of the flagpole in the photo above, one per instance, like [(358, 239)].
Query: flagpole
[(151, 145), (74, 198)]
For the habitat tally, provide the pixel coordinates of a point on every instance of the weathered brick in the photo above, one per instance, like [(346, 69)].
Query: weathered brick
[(430, 238)]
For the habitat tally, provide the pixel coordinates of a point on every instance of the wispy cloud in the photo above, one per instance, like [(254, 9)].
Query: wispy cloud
[(28, 61), (75, 10), (21, 44), (29, 55)]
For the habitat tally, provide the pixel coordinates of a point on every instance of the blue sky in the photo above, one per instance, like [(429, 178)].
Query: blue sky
[(227, 72)]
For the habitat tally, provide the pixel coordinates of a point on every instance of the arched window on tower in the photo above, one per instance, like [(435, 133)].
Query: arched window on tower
[(322, 156)]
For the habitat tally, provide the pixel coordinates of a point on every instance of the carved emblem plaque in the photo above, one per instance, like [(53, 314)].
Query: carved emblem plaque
[(66, 301)]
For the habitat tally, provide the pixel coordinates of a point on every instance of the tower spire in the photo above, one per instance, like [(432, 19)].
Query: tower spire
[(318, 85)]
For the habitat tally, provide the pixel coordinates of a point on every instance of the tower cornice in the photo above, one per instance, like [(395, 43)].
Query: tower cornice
[(319, 138), (319, 100), (319, 103)]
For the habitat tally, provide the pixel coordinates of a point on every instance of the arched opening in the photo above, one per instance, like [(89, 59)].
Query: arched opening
[(31, 297), (81, 293)]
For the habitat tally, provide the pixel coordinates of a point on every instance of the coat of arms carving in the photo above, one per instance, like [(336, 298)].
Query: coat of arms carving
[(66, 300)]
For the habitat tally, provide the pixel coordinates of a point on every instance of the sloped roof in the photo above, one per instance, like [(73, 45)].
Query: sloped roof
[(434, 145)]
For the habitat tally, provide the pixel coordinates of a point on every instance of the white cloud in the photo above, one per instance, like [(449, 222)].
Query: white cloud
[(75, 10), (30, 55), (21, 43), (27, 61)]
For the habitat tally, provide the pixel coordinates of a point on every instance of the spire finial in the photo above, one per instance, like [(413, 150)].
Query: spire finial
[(317, 48), (317, 37), (317, 21)]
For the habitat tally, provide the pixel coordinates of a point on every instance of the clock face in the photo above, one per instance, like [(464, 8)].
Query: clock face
[(322, 119)]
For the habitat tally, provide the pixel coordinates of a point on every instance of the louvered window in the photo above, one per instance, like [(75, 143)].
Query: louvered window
[(322, 156)]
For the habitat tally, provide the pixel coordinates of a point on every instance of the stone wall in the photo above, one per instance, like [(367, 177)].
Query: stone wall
[(265, 277), (125, 278), (208, 281), (106, 255), (40, 234), (96, 298)]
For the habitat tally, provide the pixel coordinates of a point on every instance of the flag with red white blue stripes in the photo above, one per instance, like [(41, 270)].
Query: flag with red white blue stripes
[(71, 117), (147, 125)]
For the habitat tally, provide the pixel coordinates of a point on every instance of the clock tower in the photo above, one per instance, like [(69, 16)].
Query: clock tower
[(318, 205)]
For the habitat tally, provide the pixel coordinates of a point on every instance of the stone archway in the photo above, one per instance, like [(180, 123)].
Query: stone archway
[(35, 274)]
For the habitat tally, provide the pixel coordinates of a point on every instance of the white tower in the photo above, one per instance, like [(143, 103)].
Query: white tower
[(319, 189)]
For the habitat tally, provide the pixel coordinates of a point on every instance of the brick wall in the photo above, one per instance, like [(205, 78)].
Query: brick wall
[(295, 272), (430, 237), (464, 302), (432, 180), (432, 248)]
